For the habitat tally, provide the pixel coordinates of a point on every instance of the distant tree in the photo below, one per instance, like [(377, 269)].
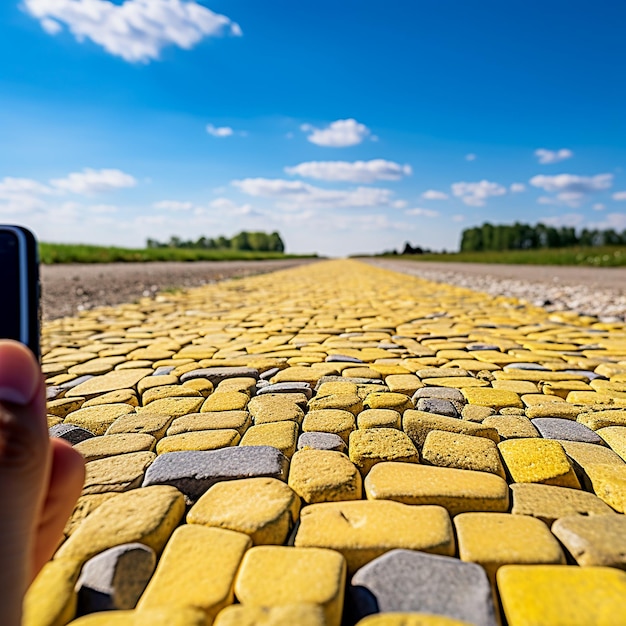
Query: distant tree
[(276, 244)]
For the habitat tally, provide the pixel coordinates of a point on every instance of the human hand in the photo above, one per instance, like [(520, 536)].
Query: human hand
[(40, 478)]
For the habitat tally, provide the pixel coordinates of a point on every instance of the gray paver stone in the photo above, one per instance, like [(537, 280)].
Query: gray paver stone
[(193, 472), (569, 430), (77, 381), (217, 374), (321, 441), (526, 366), (411, 581), (341, 358), (115, 578), (437, 405), (445, 393), (71, 433), (163, 370), (267, 374), (295, 387)]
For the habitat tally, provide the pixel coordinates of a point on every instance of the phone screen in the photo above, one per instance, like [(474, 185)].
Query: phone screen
[(10, 313)]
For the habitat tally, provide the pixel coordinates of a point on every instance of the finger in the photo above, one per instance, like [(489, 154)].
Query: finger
[(67, 476)]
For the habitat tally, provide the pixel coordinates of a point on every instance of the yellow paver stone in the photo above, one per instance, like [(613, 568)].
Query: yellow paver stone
[(51, 599), (374, 445), (205, 387), (117, 473), (215, 420), (562, 389), (298, 374), (602, 419), (176, 407), (225, 401), (598, 540), (609, 483), (553, 409), (168, 391), (344, 401), (324, 476), (445, 449), (517, 386), (243, 385), (460, 382), (388, 400), (537, 376), (335, 421), (127, 396), (612, 399), (361, 372), (457, 490), (273, 407), (281, 435), (151, 424), (156, 381), (112, 381), (494, 398), (496, 539), (277, 575), (84, 507), (379, 418), (100, 365), (198, 440), (60, 408), (549, 503), (538, 461), (615, 437), (103, 446), (147, 515), (407, 384), (364, 530), (281, 615), (417, 425), (164, 616), (340, 386), (197, 569), (263, 508), (97, 419), (511, 426), (476, 413), (555, 595), (409, 619), (535, 399)]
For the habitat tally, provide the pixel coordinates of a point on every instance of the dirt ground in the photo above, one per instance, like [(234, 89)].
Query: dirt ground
[(68, 289)]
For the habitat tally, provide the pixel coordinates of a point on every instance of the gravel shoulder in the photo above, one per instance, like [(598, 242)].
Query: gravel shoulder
[(69, 289), (597, 291)]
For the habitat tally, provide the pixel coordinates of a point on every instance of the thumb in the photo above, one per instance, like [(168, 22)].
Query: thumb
[(24, 463)]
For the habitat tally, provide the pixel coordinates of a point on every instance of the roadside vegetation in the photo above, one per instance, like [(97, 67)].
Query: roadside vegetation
[(602, 256), (242, 247), (524, 244)]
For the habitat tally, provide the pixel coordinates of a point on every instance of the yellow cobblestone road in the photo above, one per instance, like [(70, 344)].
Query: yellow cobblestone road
[(334, 444)]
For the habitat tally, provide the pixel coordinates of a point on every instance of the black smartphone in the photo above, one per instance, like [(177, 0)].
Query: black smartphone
[(19, 286)]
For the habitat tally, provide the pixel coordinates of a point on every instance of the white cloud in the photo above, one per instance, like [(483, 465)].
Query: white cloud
[(422, 212), (93, 181), (173, 205), (617, 221), (9, 185), (470, 157), (619, 195), (568, 219), (458, 218), (570, 189), (598, 207), (226, 205), (356, 172), (338, 134), (517, 187), (476, 194), (102, 208), (399, 204), (219, 131), (433, 194), (553, 156), (291, 194), (136, 30)]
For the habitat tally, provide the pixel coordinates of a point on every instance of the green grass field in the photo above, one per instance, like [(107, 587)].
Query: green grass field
[(51, 253), (605, 256)]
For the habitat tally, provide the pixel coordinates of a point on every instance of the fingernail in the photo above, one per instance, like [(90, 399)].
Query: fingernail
[(11, 394), (19, 373)]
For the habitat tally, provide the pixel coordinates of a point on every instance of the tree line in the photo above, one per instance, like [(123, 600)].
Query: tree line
[(253, 241), (527, 237)]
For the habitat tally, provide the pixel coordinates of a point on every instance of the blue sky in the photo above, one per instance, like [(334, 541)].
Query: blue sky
[(348, 126)]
